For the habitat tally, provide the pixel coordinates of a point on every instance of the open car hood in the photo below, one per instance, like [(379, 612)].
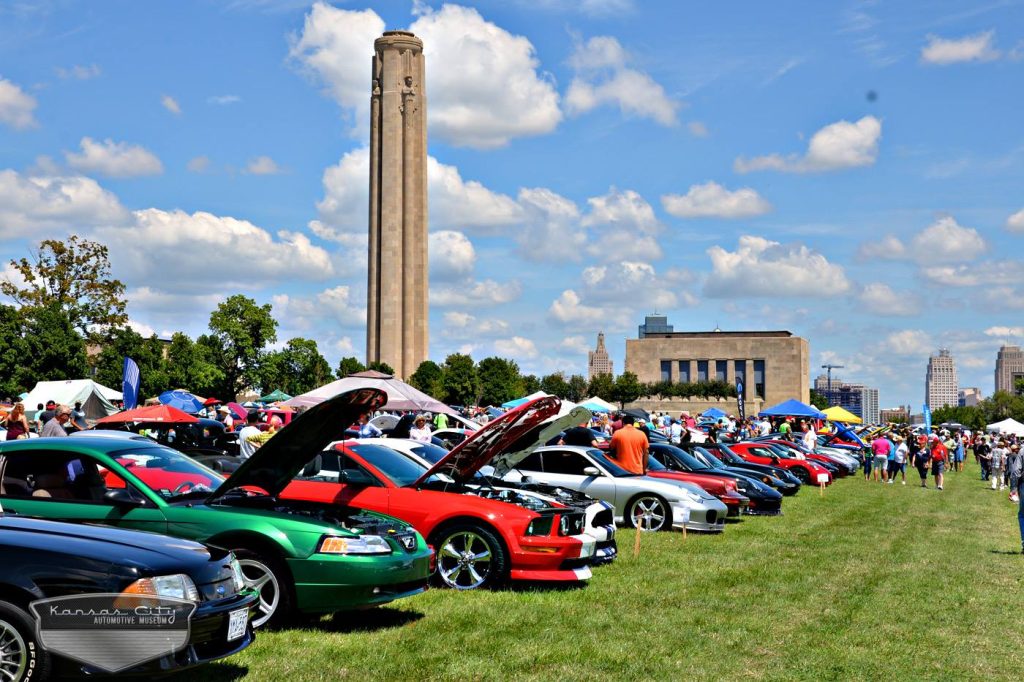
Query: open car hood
[(280, 459), (507, 440)]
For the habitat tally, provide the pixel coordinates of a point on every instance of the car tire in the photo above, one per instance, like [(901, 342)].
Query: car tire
[(268, 574), (22, 657), (802, 473), (469, 556), (652, 507)]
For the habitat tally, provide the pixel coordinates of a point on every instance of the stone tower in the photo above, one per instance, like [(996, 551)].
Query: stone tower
[(598, 361), (396, 311)]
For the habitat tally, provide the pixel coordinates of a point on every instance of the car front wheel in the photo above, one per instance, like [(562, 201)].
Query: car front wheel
[(21, 656), (268, 576), (469, 557), (648, 513)]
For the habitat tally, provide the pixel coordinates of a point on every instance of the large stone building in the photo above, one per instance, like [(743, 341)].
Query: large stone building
[(968, 397), (598, 361), (654, 324), (858, 399), (1009, 367), (899, 415), (773, 365), (941, 383), (396, 311)]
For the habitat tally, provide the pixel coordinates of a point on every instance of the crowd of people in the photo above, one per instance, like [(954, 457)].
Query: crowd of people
[(51, 419)]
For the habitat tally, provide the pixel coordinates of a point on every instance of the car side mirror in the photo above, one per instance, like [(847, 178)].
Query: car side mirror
[(121, 497), (591, 471), (355, 477)]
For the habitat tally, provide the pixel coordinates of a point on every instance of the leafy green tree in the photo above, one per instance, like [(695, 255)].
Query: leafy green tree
[(349, 365), (239, 332), (427, 378), (531, 384), (14, 352), (818, 400), (296, 368), (555, 384), (627, 388), (72, 275), (602, 386), (460, 380), (577, 388), (148, 354), (382, 367), (499, 381), (188, 366), (1018, 386), (53, 349)]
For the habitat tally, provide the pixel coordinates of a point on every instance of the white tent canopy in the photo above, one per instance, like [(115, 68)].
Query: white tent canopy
[(401, 396), (95, 398), (603, 403), (1010, 426)]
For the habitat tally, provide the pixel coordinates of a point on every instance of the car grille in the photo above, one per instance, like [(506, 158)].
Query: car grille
[(604, 517), (712, 516)]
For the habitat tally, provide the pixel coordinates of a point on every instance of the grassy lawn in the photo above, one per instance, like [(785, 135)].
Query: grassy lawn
[(871, 581)]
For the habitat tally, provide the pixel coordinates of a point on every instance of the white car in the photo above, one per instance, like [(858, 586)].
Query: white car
[(650, 503)]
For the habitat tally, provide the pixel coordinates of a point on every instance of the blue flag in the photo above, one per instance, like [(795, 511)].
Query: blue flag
[(927, 419), (130, 384), (740, 409)]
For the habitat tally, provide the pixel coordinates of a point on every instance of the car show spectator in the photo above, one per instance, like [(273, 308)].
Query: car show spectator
[(368, 430), (420, 432), (880, 448), (54, 428), (249, 436), (629, 447), (939, 454), (16, 423)]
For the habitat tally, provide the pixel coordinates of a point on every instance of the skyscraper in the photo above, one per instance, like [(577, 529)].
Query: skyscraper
[(598, 361), (396, 310), (1009, 367), (941, 384)]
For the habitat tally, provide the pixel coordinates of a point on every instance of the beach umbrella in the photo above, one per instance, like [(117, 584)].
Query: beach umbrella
[(164, 414), (838, 414), (182, 400), (275, 396)]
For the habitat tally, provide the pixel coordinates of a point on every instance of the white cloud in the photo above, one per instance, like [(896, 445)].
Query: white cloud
[(170, 104), (711, 200), (198, 164), (984, 273), (476, 293), (1015, 223), (334, 307), (551, 229), (30, 205), (569, 309), (1004, 332), (114, 159), (907, 342), (697, 129), (575, 344), (452, 256), (482, 81), (889, 247), (945, 241), (223, 99), (603, 77), (516, 347), (79, 72), (974, 48), (16, 107), (837, 146), (622, 209), (221, 251), (458, 324), (262, 165), (763, 268), (625, 282), (880, 299)]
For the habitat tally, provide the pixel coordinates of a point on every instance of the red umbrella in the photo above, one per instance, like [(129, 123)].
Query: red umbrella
[(152, 413), (211, 401)]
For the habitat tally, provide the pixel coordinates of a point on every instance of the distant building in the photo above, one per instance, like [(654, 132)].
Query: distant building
[(1009, 367), (941, 384), (968, 397), (773, 365), (598, 361), (654, 324), (857, 399), (900, 415)]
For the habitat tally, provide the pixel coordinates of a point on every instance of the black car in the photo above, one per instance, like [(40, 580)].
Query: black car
[(764, 499), (778, 478), (207, 441), (46, 559)]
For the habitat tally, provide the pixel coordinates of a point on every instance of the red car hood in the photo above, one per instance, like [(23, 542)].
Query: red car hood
[(507, 440), (709, 483)]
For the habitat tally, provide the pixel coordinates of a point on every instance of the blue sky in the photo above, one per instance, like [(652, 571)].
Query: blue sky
[(852, 172)]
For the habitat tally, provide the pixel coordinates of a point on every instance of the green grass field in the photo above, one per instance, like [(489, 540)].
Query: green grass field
[(871, 582)]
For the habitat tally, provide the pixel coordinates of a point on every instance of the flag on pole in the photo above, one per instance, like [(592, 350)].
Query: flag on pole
[(927, 419), (740, 409), (130, 384)]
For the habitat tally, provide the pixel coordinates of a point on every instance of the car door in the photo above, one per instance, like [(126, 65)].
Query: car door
[(66, 486), (572, 470)]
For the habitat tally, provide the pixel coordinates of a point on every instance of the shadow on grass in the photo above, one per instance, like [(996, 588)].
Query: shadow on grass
[(369, 620), (1007, 552), (221, 672), (540, 586)]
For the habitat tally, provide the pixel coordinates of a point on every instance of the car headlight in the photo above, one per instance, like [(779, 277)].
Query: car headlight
[(742, 486), (362, 544), (237, 578), (177, 586), (540, 526)]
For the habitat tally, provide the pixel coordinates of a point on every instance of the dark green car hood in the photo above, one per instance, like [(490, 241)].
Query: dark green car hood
[(280, 459)]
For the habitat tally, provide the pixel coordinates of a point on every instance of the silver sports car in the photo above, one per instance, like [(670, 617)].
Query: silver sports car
[(650, 503)]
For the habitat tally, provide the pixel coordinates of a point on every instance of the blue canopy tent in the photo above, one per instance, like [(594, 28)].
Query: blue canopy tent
[(595, 407), (714, 413), (519, 401), (793, 408)]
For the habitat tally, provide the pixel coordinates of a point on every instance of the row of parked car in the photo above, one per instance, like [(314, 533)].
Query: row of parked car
[(317, 523)]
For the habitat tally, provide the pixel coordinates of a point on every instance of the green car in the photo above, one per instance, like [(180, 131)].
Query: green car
[(303, 557)]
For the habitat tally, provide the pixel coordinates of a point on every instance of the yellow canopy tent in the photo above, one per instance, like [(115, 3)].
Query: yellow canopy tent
[(838, 414)]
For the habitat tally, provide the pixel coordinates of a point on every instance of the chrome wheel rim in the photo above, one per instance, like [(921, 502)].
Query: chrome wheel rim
[(259, 577), (13, 652), (464, 561), (648, 514)]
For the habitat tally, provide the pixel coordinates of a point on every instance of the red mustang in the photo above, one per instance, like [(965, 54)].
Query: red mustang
[(482, 537), (806, 470)]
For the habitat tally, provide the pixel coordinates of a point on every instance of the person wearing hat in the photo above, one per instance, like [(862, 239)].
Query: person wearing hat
[(420, 431), (997, 460), (940, 453), (921, 457), (224, 417)]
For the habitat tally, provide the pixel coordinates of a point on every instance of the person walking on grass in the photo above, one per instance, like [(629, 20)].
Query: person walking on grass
[(898, 463), (1015, 471), (922, 457), (997, 460), (939, 453), (983, 453), (880, 450)]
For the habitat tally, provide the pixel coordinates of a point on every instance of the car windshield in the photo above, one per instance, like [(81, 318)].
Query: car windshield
[(430, 452), (688, 460), (708, 458), (612, 468), (167, 472), (399, 469)]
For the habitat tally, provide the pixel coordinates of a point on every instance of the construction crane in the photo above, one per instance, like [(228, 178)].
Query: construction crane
[(829, 368)]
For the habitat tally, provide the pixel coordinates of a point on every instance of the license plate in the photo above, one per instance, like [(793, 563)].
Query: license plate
[(237, 622)]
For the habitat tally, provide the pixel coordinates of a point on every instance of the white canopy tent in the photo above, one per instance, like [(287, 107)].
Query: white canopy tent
[(401, 396), (95, 398), (1009, 426)]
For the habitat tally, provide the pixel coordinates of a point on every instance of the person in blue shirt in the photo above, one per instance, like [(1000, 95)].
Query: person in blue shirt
[(368, 430)]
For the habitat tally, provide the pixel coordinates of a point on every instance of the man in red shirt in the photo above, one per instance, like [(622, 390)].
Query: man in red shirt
[(629, 447), (939, 455)]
